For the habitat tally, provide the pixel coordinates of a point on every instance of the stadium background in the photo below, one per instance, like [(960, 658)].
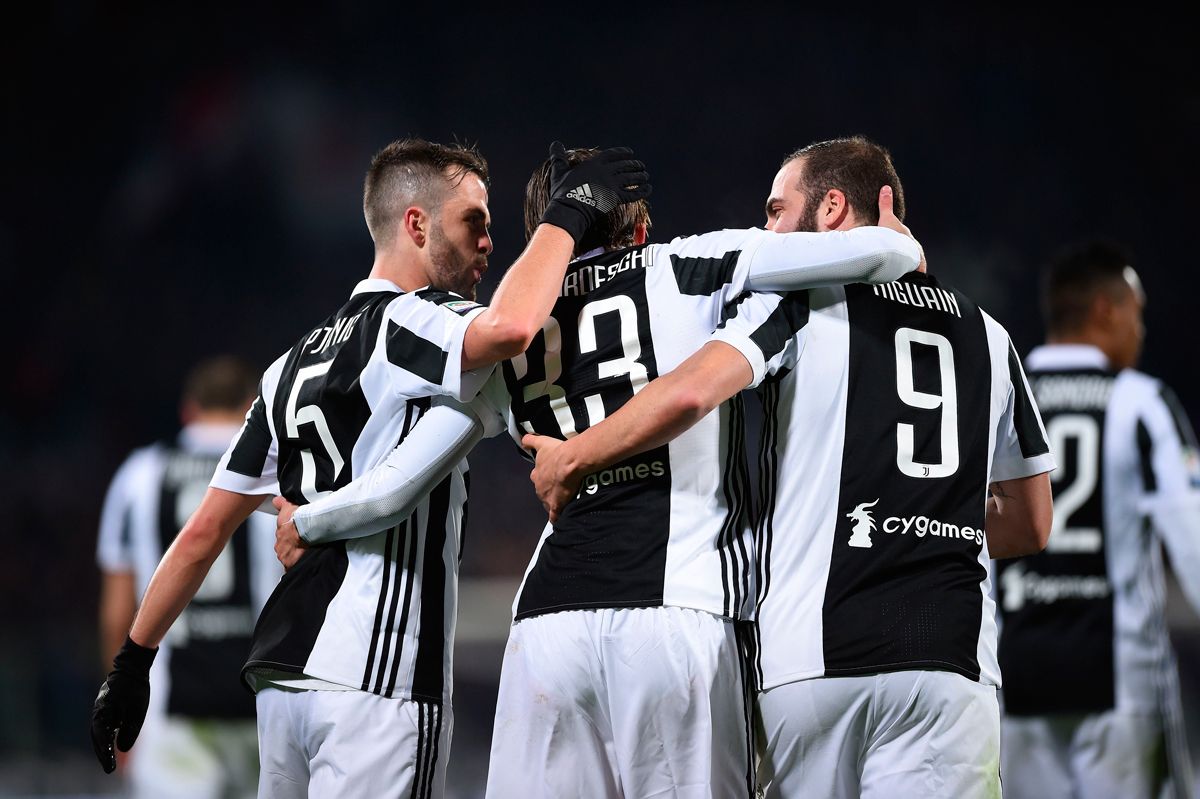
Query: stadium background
[(179, 184)]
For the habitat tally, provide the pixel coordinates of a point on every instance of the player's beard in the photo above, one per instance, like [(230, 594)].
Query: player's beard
[(450, 270), (807, 222)]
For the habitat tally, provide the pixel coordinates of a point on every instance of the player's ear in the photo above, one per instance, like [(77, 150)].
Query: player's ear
[(415, 224), (834, 211)]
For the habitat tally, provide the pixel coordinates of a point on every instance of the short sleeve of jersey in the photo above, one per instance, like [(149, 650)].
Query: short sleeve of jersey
[(423, 337), (251, 464), (491, 405), (114, 546), (763, 327), (1021, 447)]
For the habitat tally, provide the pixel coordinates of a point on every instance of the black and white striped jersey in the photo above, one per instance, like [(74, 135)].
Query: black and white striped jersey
[(151, 496), (1082, 623), (375, 613), (886, 418), (669, 526)]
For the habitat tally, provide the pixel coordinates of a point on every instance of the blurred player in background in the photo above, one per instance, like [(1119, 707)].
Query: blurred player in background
[(622, 675), (200, 738), (889, 411), (1090, 687)]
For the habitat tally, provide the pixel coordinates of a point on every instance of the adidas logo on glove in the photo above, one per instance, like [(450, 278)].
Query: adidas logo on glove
[(582, 194)]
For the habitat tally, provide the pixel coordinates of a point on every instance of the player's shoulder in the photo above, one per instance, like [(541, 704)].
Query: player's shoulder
[(428, 301), (142, 463), (1141, 386), (716, 241)]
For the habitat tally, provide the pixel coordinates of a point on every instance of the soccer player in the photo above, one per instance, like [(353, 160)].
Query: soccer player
[(1091, 696), (351, 655), (622, 674), (888, 413), (199, 739)]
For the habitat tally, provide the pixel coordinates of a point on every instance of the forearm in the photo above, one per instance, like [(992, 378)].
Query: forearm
[(387, 494), (795, 261), (118, 603), (522, 301), (187, 561), (662, 411), (1019, 516)]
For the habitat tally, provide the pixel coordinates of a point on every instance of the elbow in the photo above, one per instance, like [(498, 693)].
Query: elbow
[(198, 543), (692, 404), (510, 337), (1040, 532)]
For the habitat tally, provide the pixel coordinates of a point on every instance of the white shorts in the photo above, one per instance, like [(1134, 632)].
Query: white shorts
[(900, 734), (1103, 755), (622, 703), (177, 758), (351, 743)]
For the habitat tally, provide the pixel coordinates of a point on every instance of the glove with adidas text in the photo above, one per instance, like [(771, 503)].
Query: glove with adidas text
[(120, 707), (581, 195)]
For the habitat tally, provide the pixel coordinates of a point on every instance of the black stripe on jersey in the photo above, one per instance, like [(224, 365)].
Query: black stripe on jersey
[(428, 673), (744, 635), (412, 353), (704, 276), (1182, 426), (250, 453), (422, 748), (788, 318), (768, 485), (428, 767), (899, 598), (384, 585), (1029, 434), (1145, 448), (408, 575), (728, 527), (743, 532)]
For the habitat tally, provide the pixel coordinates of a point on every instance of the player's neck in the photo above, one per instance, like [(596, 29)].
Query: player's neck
[(1082, 338), (402, 268)]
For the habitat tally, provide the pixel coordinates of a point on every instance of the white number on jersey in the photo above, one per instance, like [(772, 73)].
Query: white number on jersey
[(947, 400), (1085, 432), (311, 414)]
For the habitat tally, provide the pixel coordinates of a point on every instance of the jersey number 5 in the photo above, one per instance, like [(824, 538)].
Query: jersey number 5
[(311, 414)]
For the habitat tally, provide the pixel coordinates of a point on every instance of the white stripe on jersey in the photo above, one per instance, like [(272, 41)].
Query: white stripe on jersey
[(374, 613)]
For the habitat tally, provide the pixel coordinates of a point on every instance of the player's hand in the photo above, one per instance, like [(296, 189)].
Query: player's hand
[(552, 479), (888, 219), (583, 194), (289, 546), (120, 707)]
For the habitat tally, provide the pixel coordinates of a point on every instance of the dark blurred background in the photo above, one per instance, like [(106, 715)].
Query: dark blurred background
[(182, 182)]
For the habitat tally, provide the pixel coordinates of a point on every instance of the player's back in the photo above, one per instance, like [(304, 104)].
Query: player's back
[(893, 409), (1082, 622), (376, 612), (666, 527), (151, 498)]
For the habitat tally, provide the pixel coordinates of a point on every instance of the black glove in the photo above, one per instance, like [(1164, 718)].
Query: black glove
[(120, 707), (582, 194)]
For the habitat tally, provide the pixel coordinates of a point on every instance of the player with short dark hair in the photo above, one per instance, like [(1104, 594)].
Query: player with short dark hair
[(1091, 694), (622, 674), (889, 411), (351, 657), (200, 739)]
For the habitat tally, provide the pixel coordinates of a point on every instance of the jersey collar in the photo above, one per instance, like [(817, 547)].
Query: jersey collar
[(373, 284), (1066, 356)]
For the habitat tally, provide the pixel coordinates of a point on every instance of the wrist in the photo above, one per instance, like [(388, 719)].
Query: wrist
[(134, 657), (299, 525)]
